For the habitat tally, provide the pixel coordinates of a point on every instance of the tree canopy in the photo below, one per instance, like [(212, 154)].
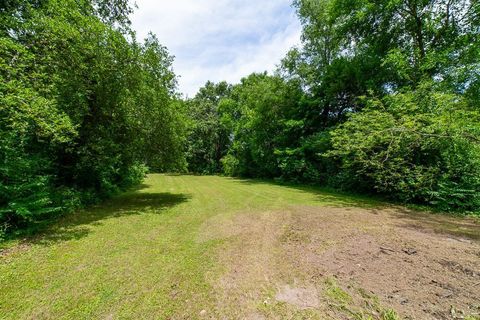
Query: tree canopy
[(380, 97), (84, 106)]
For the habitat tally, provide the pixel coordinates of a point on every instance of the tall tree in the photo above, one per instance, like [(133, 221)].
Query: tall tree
[(208, 138), (83, 106)]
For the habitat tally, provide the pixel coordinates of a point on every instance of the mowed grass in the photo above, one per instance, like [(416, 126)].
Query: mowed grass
[(137, 256)]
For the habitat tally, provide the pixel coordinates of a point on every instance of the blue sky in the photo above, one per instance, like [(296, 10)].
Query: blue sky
[(219, 39)]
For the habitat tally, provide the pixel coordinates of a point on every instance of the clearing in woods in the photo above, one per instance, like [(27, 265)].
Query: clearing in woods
[(190, 247)]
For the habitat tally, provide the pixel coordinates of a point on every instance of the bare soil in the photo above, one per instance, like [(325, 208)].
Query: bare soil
[(346, 263)]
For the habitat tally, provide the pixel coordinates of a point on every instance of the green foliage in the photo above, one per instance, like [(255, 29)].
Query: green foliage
[(208, 138), (381, 97), (390, 315), (83, 107), (230, 165), (418, 146), (254, 113), (305, 163), (31, 127)]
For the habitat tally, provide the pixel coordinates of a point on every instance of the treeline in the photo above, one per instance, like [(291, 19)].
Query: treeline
[(84, 107), (382, 97)]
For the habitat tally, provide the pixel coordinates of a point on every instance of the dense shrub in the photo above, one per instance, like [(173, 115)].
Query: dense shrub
[(208, 138), (230, 165), (84, 107), (418, 146), (417, 141)]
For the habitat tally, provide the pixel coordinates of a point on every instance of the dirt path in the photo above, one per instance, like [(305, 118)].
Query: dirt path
[(347, 263)]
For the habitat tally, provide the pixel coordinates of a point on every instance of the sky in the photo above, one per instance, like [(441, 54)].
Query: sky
[(219, 40)]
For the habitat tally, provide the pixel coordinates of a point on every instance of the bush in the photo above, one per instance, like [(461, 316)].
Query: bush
[(134, 175), (230, 165), (418, 147), (82, 106)]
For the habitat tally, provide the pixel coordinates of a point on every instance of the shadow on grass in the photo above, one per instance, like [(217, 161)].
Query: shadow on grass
[(78, 225), (325, 195), (447, 224), (456, 226)]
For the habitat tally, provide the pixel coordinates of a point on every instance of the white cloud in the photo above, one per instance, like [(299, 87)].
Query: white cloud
[(219, 39)]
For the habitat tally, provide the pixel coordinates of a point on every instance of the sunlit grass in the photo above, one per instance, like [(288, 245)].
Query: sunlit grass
[(135, 255), (139, 255)]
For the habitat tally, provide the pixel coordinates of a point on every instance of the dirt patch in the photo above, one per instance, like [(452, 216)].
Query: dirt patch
[(303, 298), (277, 264), (6, 253), (249, 260), (412, 267)]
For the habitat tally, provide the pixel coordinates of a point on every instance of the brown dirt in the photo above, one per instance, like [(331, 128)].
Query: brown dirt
[(303, 298), (281, 264), (5, 253)]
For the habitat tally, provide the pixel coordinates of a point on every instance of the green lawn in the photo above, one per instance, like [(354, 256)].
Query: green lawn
[(148, 254), (135, 256)]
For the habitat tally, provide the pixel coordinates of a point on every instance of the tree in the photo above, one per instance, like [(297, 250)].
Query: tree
[(208, 137), (257, 113), (420, 146), (84, 107), (382, 96)]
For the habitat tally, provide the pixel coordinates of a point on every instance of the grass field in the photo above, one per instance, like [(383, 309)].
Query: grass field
[(188, 247)]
